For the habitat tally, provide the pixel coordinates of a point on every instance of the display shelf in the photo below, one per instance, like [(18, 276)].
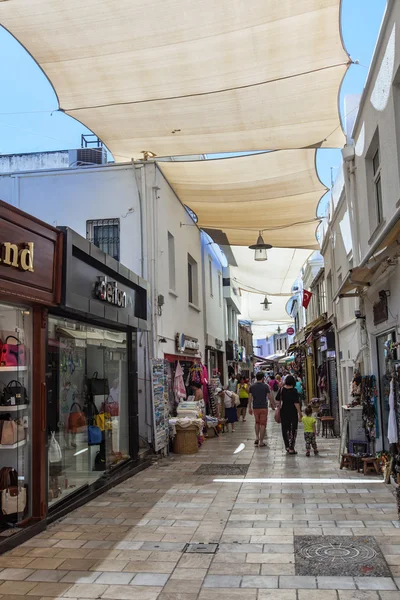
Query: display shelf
[(13, 446), (12, 369), (13, 408)]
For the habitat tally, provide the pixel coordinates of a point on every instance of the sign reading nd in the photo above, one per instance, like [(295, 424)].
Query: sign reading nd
[(18, 256)]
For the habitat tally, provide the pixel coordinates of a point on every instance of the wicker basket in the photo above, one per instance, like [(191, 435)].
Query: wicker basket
[(185, 441)]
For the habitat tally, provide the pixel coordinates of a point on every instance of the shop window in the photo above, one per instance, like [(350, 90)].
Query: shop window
[(376, 165), (210, 274), (105, 234), (15, 413), (171, 262), (87, 404), (193, 285), (374, 183)]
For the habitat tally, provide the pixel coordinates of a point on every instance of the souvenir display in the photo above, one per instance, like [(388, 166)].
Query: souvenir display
[(160, 403)]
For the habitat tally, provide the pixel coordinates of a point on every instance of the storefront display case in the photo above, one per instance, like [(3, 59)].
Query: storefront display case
[(30, 283)]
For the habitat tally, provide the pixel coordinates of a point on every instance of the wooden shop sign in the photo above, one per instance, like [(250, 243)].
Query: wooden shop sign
[(18, 256)]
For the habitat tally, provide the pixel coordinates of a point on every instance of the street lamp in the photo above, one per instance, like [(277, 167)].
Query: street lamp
[(260, 249)]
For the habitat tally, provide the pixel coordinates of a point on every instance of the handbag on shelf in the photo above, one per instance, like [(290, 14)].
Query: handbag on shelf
[(12, 355), (13, 497), (14, 394), (9, 433), (97, 386), (76, 419), (95, 436), (21, 433)]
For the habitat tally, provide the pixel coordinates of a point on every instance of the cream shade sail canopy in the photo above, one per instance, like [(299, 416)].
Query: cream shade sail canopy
[(276, 191), (189, 77)]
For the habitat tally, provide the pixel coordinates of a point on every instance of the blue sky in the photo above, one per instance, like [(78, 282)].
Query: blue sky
[(26, 91)]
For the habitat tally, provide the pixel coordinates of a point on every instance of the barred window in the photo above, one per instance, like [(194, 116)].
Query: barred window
[(104, 233)]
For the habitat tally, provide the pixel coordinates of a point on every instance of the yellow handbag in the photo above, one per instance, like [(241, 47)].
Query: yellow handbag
[(103, 421)]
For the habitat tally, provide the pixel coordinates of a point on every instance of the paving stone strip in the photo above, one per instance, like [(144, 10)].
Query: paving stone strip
[(282, 528)]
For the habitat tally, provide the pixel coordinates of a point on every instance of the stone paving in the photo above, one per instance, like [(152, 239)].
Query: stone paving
[(129, 543)]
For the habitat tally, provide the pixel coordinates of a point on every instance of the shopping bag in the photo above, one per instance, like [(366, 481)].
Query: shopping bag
[(14, 394), (12, 355), (97, 386), (95, 436), (278, 414), (9, 433), (76, 419), (12, 497)]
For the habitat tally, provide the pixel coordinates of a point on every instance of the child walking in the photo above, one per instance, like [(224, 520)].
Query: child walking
[(309, 431)]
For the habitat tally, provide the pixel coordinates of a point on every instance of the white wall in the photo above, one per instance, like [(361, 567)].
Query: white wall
[(71, 197), (380, 111), (170, 216), (213, 292)]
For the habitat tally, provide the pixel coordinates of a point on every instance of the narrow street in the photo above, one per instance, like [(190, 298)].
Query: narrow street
[(130, 542)]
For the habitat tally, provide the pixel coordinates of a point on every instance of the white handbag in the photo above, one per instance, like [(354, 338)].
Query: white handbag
[(13, 497), (55, 454), (13, 500)]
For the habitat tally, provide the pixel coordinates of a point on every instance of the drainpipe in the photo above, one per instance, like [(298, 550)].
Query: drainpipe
[(348, 153), (204, 255)]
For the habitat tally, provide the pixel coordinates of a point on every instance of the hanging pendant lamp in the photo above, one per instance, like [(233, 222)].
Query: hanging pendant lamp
[(266, 303), (260, 249)]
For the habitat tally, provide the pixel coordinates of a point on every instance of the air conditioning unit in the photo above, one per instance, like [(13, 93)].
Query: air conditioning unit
[(84, 157)]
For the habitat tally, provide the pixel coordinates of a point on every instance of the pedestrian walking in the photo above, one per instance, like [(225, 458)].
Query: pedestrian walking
[(258, 405), (228, 398), (243, 391), (273, 384), (309, 431), (290, 413), (232, 384)]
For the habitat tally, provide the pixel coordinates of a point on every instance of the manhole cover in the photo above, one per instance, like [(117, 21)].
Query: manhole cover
[(201, 548), (339, 556), (222, 470)]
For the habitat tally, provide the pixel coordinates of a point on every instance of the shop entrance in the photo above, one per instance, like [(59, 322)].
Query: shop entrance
[(387, 356)]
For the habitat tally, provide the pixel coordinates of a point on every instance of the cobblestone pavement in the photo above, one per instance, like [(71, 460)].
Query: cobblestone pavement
[(130, 542)]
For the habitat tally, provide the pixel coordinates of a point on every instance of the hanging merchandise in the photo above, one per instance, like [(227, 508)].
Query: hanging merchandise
[(369, 415), (206, 395), (196, 373), (76, 418), (392, 424), (98, 386), (160, 403), (179, 384)]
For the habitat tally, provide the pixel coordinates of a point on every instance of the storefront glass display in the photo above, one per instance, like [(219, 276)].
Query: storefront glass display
[(387, 355), (15, 413), (87, 408)]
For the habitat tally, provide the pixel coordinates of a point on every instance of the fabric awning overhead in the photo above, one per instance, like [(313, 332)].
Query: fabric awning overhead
[(276, 191), (188, 77)]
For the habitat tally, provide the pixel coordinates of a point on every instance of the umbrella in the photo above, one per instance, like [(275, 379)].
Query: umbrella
[(179, 385)]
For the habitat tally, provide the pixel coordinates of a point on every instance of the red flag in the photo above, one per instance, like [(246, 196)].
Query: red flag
[(306, 298)]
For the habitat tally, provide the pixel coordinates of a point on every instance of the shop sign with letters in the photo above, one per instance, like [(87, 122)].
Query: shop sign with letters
[(108, 291)]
